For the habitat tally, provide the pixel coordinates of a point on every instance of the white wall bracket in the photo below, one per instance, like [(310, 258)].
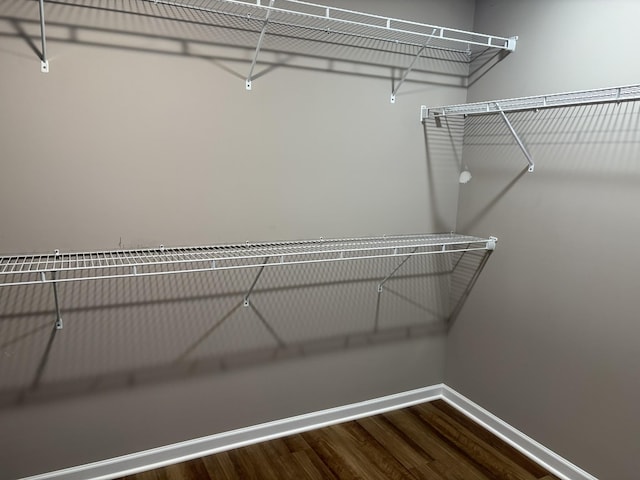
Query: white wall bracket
[(44, 62), (255, 281), (518, 139), (381, 284), (411, 65), (59, 325), (248, 83)]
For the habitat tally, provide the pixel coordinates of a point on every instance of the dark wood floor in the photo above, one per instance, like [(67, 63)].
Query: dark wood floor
[(428, 441)]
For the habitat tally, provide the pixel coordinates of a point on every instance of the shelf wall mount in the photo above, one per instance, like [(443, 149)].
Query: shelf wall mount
[(44, 62), (619, 94), (249, 81)]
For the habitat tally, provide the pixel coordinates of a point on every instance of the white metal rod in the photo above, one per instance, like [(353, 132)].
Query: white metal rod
[(381, 284), (59, 324), (255, 281), (44, 65), (518, 140), (408, 70), (255, 56)]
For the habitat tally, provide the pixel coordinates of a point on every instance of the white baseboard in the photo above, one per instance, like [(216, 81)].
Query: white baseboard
[(540, 454), (200, 447), (183, 451)]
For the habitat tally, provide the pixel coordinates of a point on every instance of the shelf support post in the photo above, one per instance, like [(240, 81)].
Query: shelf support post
[(517, 138), (411, 65), (44, 62), (245, 303), (381, 284), (54, 284), (260, 39)]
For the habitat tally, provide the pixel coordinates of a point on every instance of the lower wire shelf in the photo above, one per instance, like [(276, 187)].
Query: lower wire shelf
[(68, 267)]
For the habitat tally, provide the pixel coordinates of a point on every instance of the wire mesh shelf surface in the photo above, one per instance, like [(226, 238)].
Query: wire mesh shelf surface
[(66, 267), (600, 95), (337, 21)]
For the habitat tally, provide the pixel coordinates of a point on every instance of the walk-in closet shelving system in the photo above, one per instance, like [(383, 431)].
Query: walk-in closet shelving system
[(312, 22)]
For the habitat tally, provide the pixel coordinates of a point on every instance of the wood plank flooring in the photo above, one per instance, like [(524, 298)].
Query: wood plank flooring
[(429, 441)]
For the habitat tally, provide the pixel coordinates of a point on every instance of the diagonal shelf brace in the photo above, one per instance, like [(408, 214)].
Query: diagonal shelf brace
[(517, 138), (44, 62), (260, 39), (381, 284), (255, 281), (411, 65), (54, 284)]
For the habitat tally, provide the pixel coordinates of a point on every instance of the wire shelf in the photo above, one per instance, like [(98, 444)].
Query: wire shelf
[(334, 22), (600, 95), (69, 267)]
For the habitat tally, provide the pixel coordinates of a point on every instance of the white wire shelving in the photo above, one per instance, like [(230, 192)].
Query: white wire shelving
[(554, 100), (619, 94), (322, 23), (69, 267)]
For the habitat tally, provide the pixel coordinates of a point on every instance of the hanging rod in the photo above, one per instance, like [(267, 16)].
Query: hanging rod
[(554, 100), (67, 267)]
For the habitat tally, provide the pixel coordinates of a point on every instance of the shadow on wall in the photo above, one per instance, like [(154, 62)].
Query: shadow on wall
[(443, 150), (570, 144), (128, 333), (561, 140), (230, 41)]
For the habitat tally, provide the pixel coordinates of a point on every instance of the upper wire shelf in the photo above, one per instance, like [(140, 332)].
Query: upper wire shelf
[(304, 21), (554, 100), (67, 267), (321, 18)]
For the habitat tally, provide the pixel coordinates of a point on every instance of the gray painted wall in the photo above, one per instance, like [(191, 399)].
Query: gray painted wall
[(548, 340), (136, 138)]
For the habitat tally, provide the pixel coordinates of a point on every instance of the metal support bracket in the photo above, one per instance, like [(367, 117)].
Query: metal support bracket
[(260, 39), (44, 62), (517, 138), (245, 303), (54, 284), (424, 113), (411, 65), (381, 284)]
